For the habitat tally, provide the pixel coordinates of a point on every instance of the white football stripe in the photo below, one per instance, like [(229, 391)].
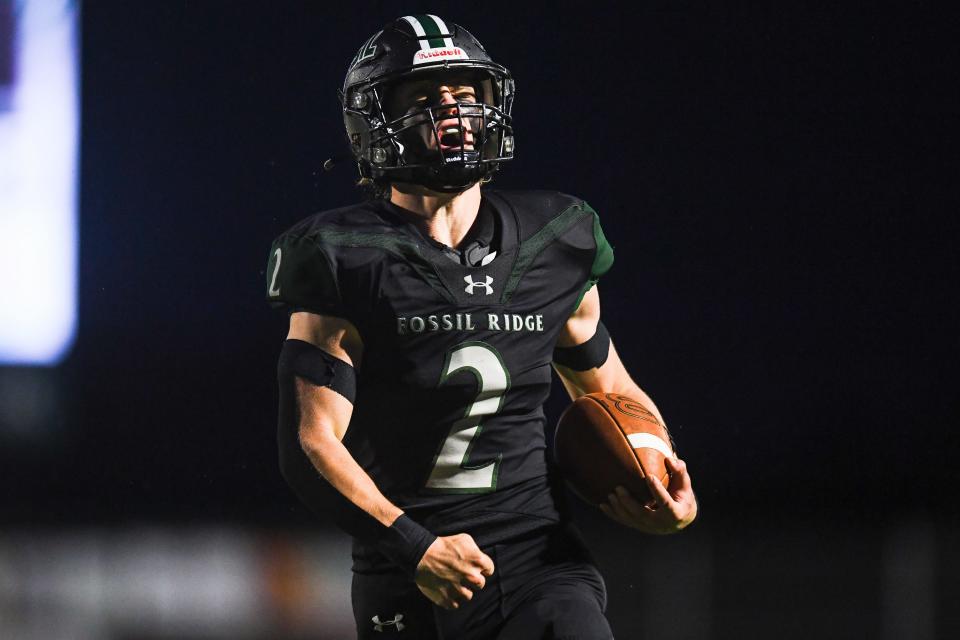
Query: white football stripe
[(443, 29), (418, 29), (649, 441)]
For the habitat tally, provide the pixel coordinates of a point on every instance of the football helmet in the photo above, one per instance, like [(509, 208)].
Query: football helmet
[(399, 133)]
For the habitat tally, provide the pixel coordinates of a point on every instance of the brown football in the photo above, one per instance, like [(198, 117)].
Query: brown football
[(604, 440)]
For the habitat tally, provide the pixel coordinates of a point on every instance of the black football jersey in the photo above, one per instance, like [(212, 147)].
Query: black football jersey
[(448, 418)]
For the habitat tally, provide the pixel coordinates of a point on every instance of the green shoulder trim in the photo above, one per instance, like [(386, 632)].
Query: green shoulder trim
[(604, 258), (398, 246), (602, 261), (530, 249)]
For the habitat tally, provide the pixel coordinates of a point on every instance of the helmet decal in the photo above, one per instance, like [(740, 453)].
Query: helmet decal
[(440, 53), (367, 51), (431, 31), (435, 40)]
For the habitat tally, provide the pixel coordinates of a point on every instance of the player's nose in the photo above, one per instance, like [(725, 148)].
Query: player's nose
[(447, 100), (449, 114)]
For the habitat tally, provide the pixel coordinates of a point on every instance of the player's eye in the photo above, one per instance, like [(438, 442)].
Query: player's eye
[(415, 104)]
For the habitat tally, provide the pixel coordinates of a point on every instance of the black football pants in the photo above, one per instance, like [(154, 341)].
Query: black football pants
[(545, 587)]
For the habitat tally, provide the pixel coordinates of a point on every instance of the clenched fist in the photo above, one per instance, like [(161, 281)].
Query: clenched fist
[(452, 569)]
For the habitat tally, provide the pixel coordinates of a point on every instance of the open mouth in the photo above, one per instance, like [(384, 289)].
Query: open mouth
[(455, 137)]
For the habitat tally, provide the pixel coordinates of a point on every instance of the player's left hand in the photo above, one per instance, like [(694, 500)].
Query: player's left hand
[(671, 509)]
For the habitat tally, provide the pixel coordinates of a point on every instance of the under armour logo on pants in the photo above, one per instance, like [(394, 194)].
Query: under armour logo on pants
[(378, 624)]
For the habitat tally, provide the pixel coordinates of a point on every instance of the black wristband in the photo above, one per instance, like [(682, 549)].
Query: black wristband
[(405, 542), (583, 357)]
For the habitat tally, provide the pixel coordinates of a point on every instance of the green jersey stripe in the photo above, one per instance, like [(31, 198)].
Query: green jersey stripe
[(532, 247), (602, 260), (397, 246)]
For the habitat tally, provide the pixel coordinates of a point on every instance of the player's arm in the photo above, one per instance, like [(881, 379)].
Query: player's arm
[(318, 362), (325, 412), (587, 362), (588, 367)]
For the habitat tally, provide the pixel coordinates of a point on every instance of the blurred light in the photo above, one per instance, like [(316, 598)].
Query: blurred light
[(155, 582), (38, 180)]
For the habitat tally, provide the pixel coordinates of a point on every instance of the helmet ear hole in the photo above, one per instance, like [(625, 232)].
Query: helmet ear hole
[(378, 155), (359, 100)]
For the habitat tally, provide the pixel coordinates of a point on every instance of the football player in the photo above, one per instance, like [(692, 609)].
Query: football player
[(423, 326)]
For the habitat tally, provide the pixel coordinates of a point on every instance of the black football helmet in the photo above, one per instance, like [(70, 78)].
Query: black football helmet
[(443, 146)]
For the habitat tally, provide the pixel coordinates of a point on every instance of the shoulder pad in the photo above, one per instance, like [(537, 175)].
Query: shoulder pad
[(549, 218), (534, 209), (301, 270)]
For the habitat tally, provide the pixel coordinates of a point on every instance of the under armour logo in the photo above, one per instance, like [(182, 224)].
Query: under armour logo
[(471, 285), (378, 624)]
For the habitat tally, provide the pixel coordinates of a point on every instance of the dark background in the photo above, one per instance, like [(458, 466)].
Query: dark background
[(779, 189)]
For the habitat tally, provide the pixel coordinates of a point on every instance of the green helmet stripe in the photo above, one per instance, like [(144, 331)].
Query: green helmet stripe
[(425, 25), (417, 29), (442, 26)]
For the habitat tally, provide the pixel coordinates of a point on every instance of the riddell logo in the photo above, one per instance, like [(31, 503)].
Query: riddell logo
[(449, 53)]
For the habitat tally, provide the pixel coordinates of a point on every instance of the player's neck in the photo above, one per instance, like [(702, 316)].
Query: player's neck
[(445, 217)]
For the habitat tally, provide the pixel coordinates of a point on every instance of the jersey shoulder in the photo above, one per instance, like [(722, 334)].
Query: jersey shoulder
[(307, 260), (552, 217), (359, 217), (536, 209)]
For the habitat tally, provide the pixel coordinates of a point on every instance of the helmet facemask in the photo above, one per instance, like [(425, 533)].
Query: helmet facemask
[(445, 147)]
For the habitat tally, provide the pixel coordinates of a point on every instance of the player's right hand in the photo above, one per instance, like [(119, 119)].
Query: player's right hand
[(452, 569)]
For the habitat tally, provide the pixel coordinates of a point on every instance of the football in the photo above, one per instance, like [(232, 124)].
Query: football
[(604, 440)]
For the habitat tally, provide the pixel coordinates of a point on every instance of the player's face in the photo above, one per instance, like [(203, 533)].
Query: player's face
[(454, 127)]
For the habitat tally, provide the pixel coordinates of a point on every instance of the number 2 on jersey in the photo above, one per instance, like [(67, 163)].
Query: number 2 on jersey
[(451, 473)]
